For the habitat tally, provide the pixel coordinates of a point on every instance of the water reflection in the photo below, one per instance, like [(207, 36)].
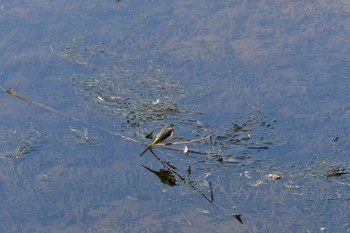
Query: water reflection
[(268, 80)]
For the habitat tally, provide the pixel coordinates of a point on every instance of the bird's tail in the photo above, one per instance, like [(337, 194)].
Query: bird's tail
[(146, 149)]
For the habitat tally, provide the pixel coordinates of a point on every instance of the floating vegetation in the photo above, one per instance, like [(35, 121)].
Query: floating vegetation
[(128, 89), (123, 96), (133, 90), (82, 136), (331, 170), (167, 176), (336, 172), (17, 144), (257, 132)]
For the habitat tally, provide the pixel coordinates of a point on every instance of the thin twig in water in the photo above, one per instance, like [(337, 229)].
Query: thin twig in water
[(171, 168), (19, 95), (165, 145)]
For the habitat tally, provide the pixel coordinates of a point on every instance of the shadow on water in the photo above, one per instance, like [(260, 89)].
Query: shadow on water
[(269, 82)]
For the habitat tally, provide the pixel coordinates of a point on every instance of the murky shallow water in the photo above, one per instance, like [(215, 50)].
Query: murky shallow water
[(255, 75)]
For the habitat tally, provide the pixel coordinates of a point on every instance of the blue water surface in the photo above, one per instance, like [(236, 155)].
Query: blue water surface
[(268, 80)]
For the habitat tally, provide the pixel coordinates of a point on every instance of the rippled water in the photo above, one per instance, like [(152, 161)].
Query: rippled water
[(268, 80)]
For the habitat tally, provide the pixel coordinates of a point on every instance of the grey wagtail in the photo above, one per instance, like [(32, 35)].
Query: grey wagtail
[(164, 134)]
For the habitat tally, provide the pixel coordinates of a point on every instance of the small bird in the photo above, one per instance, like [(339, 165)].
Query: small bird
[(165, 133)]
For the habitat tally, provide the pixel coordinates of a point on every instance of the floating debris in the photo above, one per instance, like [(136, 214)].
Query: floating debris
[(83, 136), (336, 172), (156, 102), (274, 176), (204, 211), (26, 145), (185, 151)]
